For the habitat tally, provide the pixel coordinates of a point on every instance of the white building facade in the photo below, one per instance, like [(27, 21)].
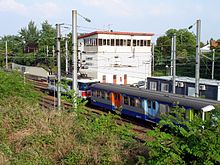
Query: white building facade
[(116, 57)]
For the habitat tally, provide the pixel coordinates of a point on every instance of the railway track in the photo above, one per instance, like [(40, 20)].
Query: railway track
[(50, 102)]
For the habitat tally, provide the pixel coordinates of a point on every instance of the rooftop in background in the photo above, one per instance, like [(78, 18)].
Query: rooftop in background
[(191, 80), (116, 33)]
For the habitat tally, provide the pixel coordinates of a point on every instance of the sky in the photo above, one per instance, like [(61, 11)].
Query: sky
[(154, 16)]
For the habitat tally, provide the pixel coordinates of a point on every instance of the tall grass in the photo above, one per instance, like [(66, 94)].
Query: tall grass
[(32, 135)]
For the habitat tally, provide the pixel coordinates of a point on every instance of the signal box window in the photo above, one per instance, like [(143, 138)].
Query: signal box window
[(164, 87), (100, 42), (112, 42), (128, 42), (117, 42), (153, 86)]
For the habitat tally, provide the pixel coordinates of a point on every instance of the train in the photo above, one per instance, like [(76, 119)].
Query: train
[(84, 84), (147, 104)]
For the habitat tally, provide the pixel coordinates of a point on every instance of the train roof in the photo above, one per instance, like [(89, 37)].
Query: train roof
[(182, 100)]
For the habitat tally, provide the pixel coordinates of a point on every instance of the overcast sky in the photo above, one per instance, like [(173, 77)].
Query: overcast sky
[(155, 16)]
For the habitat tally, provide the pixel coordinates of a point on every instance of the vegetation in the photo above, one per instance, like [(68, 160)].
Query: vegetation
[(32, 135), (185, 142), (185, 46)]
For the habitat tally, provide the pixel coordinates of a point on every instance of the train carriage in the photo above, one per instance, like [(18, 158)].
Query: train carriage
[(145, 104), (66, 85)]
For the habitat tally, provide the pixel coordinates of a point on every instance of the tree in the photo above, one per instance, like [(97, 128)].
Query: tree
[(30, 36), (47, 36), (186, 142), (185, 45)]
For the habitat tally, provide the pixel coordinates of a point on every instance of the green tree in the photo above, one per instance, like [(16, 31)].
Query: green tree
[(47, 37), (30, 35), (186, 142)]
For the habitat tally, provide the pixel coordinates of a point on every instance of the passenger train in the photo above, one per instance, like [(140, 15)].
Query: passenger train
[(147, 104), (84, 84)]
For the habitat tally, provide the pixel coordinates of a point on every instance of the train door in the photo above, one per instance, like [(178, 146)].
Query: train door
[(116, 99), (153, 107)]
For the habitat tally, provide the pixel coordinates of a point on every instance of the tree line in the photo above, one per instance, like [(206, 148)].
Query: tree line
[(29, 47)]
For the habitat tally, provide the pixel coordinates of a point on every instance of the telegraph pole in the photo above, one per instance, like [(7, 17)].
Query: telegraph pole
[(6, 54), (58, 38), (67, 57), (75, 52), (197, 72), (174, 62)]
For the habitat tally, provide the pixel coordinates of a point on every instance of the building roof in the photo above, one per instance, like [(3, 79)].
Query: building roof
[(190, 80), (116, 33)]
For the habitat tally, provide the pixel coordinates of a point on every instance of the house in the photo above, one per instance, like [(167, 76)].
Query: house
[(209, 89), (115, 57)]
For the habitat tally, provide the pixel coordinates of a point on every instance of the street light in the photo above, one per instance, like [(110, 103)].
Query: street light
[(75, 50)]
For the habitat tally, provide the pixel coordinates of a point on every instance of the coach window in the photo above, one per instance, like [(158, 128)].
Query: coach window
[(154, 104), (100, 42), (148, 104), (107, 96), (98, 93), (132, 102), (138, 43), (94, 93), (126, 100), (103, 94), (145, 43), (137, 103)]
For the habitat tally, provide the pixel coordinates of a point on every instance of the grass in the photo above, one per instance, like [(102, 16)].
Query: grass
[(32, 135)]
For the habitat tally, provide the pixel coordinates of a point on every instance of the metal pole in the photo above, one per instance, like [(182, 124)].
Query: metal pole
[(152, 57), (53, 51), (6, 54), (47, 50), (174, 63), (198, 31), (171, 63), (58, 66), (213, 63), (75, 51), (66, 47)]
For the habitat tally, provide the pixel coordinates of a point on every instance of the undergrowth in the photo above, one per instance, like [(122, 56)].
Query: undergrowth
[(32, 135)]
